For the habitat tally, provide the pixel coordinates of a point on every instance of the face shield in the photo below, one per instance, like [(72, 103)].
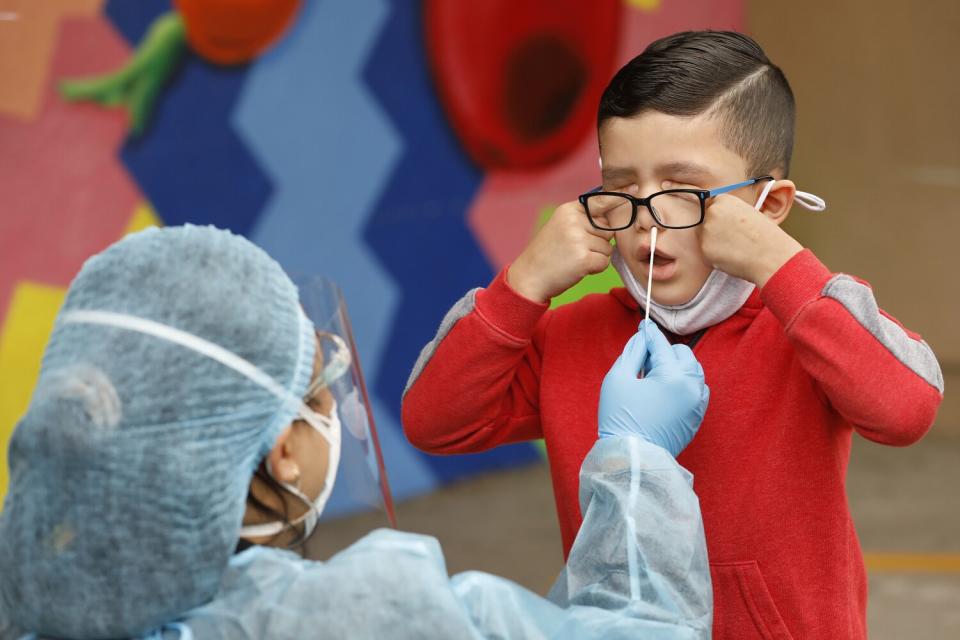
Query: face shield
[(339, 409), (335, 406), (361, 482)]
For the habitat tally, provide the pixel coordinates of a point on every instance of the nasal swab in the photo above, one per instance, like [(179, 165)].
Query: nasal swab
[(653, 248)]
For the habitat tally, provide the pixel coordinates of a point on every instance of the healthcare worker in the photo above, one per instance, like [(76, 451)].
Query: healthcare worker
[(188, 400)]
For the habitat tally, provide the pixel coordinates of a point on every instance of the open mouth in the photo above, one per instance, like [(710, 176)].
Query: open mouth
[(664, 265)]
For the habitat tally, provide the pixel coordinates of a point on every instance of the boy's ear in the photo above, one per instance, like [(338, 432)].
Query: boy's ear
[(779, 201)]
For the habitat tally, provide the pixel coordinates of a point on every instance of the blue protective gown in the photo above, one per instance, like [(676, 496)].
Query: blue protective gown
[(638, 569)]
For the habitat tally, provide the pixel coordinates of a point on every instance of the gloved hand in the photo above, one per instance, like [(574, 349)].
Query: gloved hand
[(666, 406)]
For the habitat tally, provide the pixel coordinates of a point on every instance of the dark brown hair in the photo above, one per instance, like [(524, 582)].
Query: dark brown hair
[(282, 516), (721, 72)]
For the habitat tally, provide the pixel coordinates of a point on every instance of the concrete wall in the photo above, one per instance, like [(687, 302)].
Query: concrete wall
[(878, 137)]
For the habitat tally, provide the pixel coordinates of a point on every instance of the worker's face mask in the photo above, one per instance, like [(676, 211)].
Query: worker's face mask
[(338, 360), (721, 295)]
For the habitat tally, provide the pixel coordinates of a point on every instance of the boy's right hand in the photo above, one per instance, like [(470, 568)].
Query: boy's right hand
[(565, 250)]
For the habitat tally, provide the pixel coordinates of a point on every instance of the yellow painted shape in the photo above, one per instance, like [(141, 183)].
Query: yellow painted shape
[(30, 316), (644, 5), (24, 335), (913, 562), (143, 218)]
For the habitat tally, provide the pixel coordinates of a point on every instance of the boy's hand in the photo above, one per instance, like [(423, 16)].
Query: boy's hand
[(565, 250), (743, 242)]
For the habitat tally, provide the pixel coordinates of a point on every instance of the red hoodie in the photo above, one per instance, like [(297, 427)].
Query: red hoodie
[(802, 365)]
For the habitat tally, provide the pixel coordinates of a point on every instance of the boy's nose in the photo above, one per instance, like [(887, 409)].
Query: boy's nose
[(645, 220)]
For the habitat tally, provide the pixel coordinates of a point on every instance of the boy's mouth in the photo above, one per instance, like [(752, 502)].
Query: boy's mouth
[(664, 264)]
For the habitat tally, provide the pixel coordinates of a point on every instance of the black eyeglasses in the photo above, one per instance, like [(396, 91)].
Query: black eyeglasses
[(671, 209)]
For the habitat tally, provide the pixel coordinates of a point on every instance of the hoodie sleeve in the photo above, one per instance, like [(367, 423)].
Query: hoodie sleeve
[(476, 384), (881, 377)]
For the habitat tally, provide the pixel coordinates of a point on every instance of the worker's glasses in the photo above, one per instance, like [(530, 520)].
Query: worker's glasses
[(671, 209)]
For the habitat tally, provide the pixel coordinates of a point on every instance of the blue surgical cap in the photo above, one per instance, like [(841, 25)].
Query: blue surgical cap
[(130, 470)]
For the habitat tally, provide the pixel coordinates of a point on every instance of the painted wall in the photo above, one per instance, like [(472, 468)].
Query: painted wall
[(375, 142)]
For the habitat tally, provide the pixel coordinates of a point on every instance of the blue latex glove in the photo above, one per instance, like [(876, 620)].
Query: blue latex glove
[(666, 406)]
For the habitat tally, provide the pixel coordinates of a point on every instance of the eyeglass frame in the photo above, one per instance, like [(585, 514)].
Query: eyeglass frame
[(702, 194)]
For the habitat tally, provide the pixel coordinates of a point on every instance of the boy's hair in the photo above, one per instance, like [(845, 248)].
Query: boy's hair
[(721, 72)]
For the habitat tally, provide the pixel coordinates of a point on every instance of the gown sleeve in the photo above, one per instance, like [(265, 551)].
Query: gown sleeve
[(638, 569)]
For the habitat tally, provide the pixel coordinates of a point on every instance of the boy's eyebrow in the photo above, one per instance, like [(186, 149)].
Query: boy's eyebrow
[(679, 170), (611, 174), (691, 171)]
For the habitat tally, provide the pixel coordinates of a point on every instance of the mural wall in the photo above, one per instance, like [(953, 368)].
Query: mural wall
[(406, 150)]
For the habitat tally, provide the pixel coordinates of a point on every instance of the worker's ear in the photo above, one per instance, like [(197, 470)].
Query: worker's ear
[(282, 464)]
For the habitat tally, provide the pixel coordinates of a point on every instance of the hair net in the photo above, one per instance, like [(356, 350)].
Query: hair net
[(129, 471)]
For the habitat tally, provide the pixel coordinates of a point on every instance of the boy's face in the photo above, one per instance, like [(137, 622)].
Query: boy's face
[(655, 151)]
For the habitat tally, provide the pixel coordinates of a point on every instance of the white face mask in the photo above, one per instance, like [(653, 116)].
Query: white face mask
[(339, 363), (329, 428), (721, 295)]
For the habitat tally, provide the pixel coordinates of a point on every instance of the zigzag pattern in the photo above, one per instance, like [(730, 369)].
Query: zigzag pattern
[(417, 227), (191, 164), (331, 150), (322, 208)]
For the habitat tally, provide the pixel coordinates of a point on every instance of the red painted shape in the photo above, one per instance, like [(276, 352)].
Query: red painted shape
[(235, 31), (520, 81), (66, 194), (504, 212)]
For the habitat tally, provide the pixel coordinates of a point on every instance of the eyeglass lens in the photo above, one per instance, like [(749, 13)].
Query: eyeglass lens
[(670, 209)]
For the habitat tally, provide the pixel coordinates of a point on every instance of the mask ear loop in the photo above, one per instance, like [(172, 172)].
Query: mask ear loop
[(806, 200), (809, 201), (330, 430), (763, 194)]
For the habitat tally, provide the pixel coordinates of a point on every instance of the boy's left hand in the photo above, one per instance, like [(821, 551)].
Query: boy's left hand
[(742, 241)]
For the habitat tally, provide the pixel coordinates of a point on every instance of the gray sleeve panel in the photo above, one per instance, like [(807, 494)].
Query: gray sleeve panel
[(462, 307), (858, 299)]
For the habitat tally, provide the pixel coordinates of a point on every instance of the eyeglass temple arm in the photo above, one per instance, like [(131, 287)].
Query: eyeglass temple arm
[(712, 192), (806, 200), (733, 187)]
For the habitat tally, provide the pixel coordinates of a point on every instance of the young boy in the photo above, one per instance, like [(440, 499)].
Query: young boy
[(797, 358)]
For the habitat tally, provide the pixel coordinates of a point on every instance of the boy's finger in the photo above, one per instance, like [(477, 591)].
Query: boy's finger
[(606, 236), (601, 208), (600, 204), (661, 353), (599, 245)]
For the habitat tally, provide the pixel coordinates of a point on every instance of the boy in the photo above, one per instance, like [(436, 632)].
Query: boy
[(797, 358)]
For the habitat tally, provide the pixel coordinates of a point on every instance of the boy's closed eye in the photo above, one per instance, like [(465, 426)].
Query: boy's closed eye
[(679, 184)]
